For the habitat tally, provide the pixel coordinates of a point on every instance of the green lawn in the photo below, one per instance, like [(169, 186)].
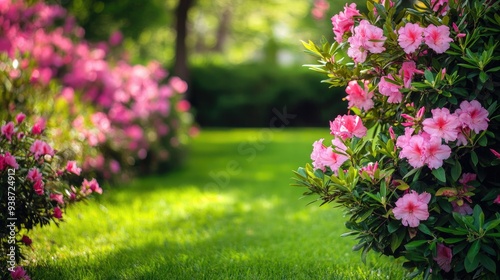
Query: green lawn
[(229, 213)]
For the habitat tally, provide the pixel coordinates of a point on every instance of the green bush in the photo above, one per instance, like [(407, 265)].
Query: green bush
[(245, 95)]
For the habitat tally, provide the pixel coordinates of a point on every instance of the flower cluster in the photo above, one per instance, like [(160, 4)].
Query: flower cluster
[(131, 111), (415, 160), (37, 185)]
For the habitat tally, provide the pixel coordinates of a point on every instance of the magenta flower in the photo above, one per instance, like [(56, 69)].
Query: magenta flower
[(366, 38), (40, 148), (8, 130), (359, 97), (72, 167), (20, 118), (437, 37), (347, 126), (442, 124), (26, 240), (38, 127), (497, 200), (444, 256), (38, 187), (8, 160), (91, 186), (435, 152), (19, 274), (412, 208), (116, 38), (473, 115), (463, 209), (58, 213), (497, 154), (410, 37), (34, 175), (390, 89), (59, 198)]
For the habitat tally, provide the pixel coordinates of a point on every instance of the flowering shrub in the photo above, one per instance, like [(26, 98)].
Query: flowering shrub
[(132, 119), (415, 162), (37, 185)]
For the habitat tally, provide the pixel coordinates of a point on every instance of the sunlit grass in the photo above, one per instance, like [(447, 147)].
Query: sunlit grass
[(229, 214)]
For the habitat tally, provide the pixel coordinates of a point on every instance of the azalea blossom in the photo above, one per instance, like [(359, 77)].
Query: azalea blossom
[(40, 148), (408, 70), (59, 198), (19, 274), (497, 200), (344, 21), (444, 256), (91, 186), (366, 38), (410, 37), (473, 115), (57, 213), (390, 89), (38, 187), (328, 157), (497, 154), (8, 130), (436, 153), (437, 38), (422, 149), (442, 124), (440, 5), (463, 209), (72, 167), (20, 118), (359, 97), (347, 126), (8, 160), (34, 175), (38, 127), (412, 208)]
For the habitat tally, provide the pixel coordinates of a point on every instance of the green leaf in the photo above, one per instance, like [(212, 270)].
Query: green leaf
[(439, 174), (456, 171), (428, 76), (471, 265), (473, 157), (487, 262), (423, 228), (415, 244), (483, 77), (473, 251), (397, 239)]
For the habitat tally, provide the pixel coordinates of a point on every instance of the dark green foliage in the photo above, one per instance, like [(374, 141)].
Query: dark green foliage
[(245, 95)]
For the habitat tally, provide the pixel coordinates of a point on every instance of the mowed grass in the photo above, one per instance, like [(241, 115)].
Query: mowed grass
[(229, 213)]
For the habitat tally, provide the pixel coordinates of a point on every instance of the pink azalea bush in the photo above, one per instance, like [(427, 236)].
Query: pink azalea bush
[(416, 159), (37, 183)]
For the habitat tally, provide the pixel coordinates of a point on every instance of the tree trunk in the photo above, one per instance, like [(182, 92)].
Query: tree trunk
[(181, 53)]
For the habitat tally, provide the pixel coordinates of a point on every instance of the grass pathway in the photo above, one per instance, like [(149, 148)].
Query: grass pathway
[(228, 214)]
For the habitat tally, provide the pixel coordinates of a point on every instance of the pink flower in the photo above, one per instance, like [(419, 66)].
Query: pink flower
[(8, 160), (410, 37), (408, 69), (359, 97), (38, 127), (366, 37), (58, 213), (440, 5), (414, 151), (59, 198), (20, 118), (463, 209), (34, 175), (92, 186), (40, 148), (444, 256), (326, 156), (38, 187), (437, 37), (412, 208), (72, 167), (7, 130), (466, 178), (347, 126), (473, 115), (370, 169), (497, 200), (343, 21), (442, 124), (116, 38), (435, 152), (19, 274), (26, 240), (390, 89), (497, 154)]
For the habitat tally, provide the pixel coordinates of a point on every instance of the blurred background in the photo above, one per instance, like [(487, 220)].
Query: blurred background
[(240, 58)]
